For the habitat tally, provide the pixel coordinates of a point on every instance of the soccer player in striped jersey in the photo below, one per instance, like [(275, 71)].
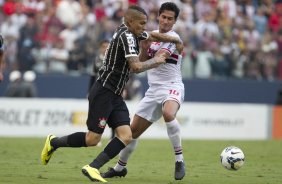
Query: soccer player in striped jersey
[(163, 98), (106, 105)]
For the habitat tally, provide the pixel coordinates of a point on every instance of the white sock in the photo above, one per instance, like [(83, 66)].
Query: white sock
[(173, 132), (125, 154)]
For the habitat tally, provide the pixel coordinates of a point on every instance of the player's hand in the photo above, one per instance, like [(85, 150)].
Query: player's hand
[(179, 47), (145, 44), (160, 58)]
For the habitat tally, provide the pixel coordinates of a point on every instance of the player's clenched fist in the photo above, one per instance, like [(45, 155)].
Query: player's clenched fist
[(160, 58)]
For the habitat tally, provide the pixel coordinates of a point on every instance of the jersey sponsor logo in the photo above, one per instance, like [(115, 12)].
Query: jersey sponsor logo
[(102, 122), (114, 36), (131, 43)]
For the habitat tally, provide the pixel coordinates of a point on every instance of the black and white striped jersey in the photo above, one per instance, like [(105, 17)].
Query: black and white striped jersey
[(115, 70)]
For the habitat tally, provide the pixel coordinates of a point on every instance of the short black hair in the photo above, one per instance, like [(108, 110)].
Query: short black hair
[(170, 6), (138, 8)]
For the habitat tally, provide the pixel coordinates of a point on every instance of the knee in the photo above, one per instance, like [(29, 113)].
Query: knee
[(168, 116), (126, 139), (92, 140)]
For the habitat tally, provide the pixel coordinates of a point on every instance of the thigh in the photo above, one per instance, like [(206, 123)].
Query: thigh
[(174, 92), (100, 108), (119, 115), (138, 126), (150, 107)]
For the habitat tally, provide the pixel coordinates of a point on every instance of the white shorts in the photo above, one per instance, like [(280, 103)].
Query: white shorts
[(150, 107)]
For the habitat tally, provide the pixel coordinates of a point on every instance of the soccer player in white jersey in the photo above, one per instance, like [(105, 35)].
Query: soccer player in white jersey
[(163, 98)]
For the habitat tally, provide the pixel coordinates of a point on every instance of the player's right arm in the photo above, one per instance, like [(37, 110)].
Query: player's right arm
[(137, 66)]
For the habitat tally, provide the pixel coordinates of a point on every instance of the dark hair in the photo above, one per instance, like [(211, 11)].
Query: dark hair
[(170, 6), (138, 8)]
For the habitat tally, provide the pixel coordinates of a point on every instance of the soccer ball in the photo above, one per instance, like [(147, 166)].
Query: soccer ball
[(232, 158)]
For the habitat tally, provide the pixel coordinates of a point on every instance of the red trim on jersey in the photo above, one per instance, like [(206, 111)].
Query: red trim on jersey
[(166, 50), (175, 56)]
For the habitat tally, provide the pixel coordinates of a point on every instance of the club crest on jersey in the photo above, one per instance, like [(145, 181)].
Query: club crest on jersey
[(170, 45), (102, 122), (131, 42)]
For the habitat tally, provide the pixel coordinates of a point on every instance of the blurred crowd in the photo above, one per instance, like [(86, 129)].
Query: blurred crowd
[(223, 38)]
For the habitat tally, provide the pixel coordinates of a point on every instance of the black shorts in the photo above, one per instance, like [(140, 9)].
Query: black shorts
[(105, 107)]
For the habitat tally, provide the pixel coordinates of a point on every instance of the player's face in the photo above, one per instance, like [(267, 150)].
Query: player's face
[(103, 47), (138, 26), (166, 21)]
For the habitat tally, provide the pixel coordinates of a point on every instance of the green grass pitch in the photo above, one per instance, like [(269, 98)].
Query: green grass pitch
[(152, 162)]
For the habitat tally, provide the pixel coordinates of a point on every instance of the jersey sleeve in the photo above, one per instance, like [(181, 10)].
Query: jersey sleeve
[(168, 46), (129, 44)]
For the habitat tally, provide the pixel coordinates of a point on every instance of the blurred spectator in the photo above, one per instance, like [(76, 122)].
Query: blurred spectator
[(219, 65), (52, 58), (26, 43), (133, 88), (9, 7), (202, 8), (275, 19), (10, 31), (279, 97), (69, 35), (21, 86), (77, 61), (202, 66), (14, 86), (98, 62), (279, 51), (228, 8), (69, 12), (260, 21), (28, 87), (238, 28), (1, 58)]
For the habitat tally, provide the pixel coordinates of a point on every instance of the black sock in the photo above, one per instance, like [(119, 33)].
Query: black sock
[(110, 151), (73, 140)]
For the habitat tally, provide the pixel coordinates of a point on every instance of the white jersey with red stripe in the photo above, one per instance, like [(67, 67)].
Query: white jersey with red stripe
[(170, 72)]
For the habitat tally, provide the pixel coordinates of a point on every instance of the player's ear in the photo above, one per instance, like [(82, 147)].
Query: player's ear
[(130, 21)]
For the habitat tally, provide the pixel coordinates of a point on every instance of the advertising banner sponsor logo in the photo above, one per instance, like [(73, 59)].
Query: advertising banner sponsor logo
[(39, 117)]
